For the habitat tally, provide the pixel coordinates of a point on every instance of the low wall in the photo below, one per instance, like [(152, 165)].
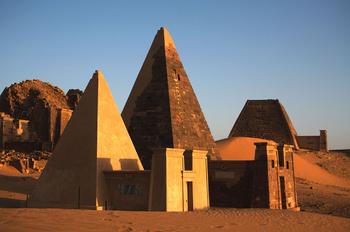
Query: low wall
[(128, 190), (230, 183), (309, 142)]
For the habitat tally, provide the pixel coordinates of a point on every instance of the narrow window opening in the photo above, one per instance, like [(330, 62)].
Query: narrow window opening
[(188, 160), (287, 164), (281, 156), (178, 77), (273, 163)]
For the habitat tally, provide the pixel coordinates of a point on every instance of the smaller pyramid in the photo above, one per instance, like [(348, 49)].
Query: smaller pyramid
[(265, 119), (95, 140)]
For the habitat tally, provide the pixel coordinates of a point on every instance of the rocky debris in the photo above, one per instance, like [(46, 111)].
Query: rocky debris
[(335, 162), (25, 162), (20, 99), (74, 96), (34, 100)]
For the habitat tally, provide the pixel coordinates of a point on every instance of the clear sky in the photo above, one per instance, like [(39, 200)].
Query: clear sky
[(296, 51)]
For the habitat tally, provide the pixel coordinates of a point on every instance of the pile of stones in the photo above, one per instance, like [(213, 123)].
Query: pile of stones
[(26, 163)]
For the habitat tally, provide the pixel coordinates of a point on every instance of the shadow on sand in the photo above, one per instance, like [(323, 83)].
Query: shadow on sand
[(14, 190)]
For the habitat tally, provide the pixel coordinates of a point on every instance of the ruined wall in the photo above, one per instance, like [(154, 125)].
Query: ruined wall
[(230, 183), (316, 143), (323, 140), (14, 132), (265, 119), (309, 142), (17, 134), (73, 97), (129, 190), (37, 102)]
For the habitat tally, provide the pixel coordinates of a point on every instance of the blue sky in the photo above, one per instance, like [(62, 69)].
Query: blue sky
[(295, 51)]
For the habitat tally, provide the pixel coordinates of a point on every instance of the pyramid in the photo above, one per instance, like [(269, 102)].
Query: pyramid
[(162, 109), (95, 140), (265, 119)]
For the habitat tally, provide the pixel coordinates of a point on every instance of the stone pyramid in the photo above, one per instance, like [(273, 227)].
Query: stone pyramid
[(162, 109), (95, 140), (265, 119)]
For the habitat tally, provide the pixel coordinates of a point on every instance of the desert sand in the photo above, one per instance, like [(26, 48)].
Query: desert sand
[(323, 182), (211, 220), (238, 148)]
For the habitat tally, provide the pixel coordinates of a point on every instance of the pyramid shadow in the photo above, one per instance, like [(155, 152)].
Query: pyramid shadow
[(128, 164), (12, 203), (17, 184)]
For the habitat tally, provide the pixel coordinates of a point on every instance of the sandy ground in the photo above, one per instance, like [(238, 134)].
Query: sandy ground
[(336, 163), (323, 182), (211, 220), (238, 148)]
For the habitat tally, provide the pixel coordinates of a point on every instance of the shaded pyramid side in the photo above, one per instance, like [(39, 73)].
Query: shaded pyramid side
[(265, 119), (190, 129), (162, 109), (95, 140)]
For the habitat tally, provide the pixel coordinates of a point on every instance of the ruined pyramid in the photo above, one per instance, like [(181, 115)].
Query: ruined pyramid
[(265, 119), (95, 140), (162, 109)]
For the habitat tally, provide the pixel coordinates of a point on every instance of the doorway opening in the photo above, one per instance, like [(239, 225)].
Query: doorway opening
[(283, 192), (189, 196)]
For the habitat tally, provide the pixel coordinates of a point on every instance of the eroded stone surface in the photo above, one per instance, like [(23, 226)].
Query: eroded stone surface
[(162, 109)]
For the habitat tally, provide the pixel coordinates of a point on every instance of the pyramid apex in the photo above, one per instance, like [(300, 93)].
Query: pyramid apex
[(168, 40), (98, 73)]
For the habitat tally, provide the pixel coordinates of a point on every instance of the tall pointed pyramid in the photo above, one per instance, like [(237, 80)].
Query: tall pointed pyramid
[(95, 140), (162, 109)]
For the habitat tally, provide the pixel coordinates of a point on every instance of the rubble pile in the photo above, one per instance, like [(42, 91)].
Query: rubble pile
[(34, 100), (25, 162)]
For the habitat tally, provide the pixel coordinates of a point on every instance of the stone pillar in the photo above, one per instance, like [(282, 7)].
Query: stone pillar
[(1, 133), (323, 140), (265, 192), (166, 180)]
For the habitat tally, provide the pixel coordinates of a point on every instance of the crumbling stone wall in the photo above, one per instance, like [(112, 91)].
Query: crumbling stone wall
[(19, 136), (39, 103), (24, 162), (74, 96), (309, 142), (316, 143), (12, 130)]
